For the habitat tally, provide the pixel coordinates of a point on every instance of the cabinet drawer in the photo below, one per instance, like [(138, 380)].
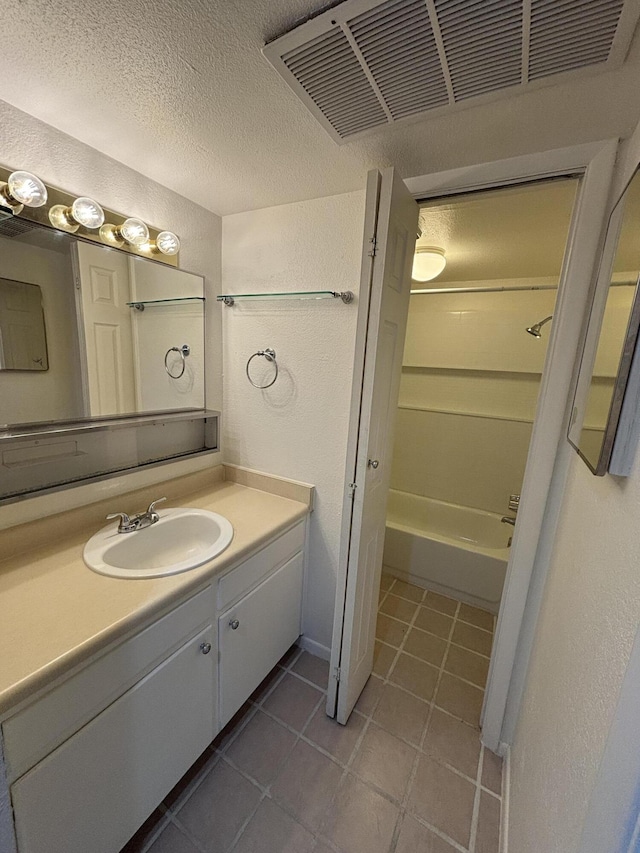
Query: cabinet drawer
[(268, 622), (98, 787), (238, 581), (35, 731)]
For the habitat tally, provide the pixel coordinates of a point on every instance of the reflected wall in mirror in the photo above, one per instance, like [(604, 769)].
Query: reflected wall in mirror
[(23, 339), (105, 356), (611, 336)]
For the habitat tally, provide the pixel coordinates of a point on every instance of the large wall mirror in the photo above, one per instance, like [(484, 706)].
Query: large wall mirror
[(612, 335), (87, 331)]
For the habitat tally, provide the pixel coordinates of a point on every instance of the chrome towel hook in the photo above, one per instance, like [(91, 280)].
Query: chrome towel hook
[(183, 351), (270, 355)]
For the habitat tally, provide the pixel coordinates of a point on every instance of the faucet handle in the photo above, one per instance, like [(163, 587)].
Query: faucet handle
[(152, 505), (126, 523)]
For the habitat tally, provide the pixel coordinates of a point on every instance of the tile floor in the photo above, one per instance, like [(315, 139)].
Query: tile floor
[(407, 774)]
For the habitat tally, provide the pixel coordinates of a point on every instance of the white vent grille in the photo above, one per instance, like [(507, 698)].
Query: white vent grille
[(365, 64)]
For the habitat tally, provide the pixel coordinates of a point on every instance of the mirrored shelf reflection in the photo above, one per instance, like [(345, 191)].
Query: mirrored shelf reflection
[(140, 304), (230, 298)]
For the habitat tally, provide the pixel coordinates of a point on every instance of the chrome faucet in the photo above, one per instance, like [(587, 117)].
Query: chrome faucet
[(514, 503), (138, 521)]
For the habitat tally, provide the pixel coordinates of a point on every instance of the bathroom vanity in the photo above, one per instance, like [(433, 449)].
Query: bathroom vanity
[(110, 689)]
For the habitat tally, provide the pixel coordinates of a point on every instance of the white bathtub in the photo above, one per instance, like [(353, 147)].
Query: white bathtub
[(455, 550)]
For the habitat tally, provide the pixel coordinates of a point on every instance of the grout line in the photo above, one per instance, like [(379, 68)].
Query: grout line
[(476, 804)]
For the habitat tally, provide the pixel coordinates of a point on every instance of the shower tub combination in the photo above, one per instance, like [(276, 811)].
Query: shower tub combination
[(456, 550)]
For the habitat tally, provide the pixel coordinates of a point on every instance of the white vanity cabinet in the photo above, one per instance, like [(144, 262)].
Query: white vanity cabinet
[(259, 612), (91, 757), (95, 789)]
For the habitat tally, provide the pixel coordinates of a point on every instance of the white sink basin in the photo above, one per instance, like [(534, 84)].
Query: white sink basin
[(182, 539)]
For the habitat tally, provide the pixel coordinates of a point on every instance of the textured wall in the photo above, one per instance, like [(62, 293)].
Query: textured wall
[(60, 160), (589, 613), (297, 428)]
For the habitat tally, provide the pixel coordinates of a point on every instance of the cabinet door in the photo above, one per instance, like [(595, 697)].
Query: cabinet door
[(97, 788), (256, 632)]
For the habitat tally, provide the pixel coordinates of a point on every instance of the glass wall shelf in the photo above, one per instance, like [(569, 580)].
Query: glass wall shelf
[(231, 298), (140, 305)]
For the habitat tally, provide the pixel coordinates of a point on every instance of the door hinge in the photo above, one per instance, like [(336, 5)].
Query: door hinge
[(352, 490), (373, 242), (336, 673)]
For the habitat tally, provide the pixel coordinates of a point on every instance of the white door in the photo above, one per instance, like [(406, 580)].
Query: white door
[(105, 331), (391, 221)]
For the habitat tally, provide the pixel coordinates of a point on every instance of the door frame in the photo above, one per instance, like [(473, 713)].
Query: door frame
[(546, 468)]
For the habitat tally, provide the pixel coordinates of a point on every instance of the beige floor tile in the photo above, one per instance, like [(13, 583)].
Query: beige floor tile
[(172, 840), (441, 603), (360, 820), (369, 696), (488, 833), (416, 676), (386, 581), (398, 607), (321, 847), (292, 701), (453, 742), (460, 699), (443, 799), (289, 656), (267, 684), (384, 761), (425, 646), (415, 838), (468, 665), (472, 638), (306, 784), (390, 631), (230, 731), (476, 616), (383, 657), (271, 830), (261, 748), (401, 714), (434, 622), (337, 740), (408, 590), (313, 669), (492, 772), (216, 811), (191, 779)]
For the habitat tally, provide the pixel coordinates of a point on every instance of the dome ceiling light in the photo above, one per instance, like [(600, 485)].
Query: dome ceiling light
[(428, 263)]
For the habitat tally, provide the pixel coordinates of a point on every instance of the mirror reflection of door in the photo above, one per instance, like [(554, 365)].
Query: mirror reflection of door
[(105, 327), (23, 343), (606, 386)]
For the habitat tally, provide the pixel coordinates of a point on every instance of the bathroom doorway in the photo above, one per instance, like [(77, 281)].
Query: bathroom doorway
[(590, 166)]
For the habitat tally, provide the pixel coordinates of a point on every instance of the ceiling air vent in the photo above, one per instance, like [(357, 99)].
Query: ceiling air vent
[(363, 65)]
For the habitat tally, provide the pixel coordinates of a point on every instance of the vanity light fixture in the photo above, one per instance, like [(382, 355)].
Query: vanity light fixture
[(428, 263), (84, 211), (167, 243), (22, 189), (132, 231)]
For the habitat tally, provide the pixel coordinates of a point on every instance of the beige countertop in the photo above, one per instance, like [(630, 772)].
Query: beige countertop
[(56, 613)]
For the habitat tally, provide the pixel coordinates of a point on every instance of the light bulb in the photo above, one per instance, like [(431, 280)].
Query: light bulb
[(428, 263), (167, 243), (87, 212), (84, 211), (134, 231), (23, 189)]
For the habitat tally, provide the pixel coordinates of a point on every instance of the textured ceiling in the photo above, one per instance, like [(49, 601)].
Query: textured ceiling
[(178, 90)]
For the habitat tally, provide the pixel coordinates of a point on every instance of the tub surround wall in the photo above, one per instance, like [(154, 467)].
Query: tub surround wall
[(298, 427), (468, 393)]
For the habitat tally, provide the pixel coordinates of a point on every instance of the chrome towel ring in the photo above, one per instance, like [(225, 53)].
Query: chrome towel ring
[(183, 351), (270, 355)]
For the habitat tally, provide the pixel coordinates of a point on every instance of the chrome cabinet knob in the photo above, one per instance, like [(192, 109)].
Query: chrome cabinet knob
[(234, 624), (373, 463), (205, 648)]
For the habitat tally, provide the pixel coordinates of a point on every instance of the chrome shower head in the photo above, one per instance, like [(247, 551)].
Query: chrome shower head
[(535, 329)]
